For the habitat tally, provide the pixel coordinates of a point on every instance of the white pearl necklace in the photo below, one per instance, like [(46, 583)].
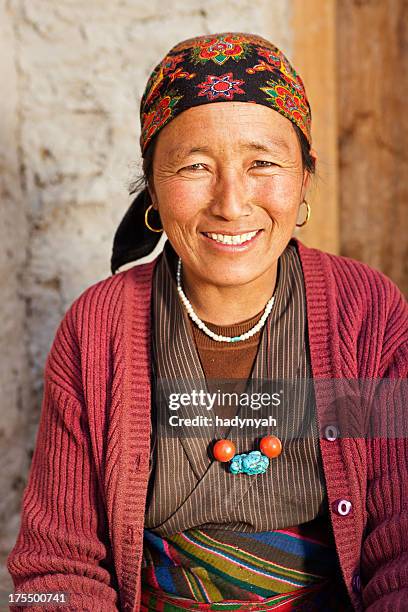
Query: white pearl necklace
[(219, 338)]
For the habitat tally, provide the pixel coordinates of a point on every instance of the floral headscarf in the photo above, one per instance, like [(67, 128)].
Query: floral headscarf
[(219, 68)]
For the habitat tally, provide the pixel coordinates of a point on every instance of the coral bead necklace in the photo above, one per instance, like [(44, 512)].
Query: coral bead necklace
[(255, 462)]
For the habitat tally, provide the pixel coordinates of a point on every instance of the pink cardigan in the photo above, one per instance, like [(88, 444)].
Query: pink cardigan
[(83, 508)]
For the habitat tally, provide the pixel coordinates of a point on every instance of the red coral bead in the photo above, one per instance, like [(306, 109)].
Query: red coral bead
[(270, 446), (224, 450)]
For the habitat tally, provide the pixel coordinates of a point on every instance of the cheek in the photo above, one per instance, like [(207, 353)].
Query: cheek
[(279, 194), (182, 190), (180, 201)]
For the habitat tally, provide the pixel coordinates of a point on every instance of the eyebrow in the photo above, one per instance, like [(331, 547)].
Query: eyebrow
[(180, 151), (264, 146), (248, 145)]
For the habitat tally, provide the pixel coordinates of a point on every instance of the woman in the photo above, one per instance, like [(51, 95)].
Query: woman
[(128, 506)]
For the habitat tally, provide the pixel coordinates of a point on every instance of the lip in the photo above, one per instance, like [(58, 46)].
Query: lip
[(224, 233), (232, 248)]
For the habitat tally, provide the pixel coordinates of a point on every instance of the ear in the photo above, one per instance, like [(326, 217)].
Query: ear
[(313, 153), (152, 194), (307, 176)]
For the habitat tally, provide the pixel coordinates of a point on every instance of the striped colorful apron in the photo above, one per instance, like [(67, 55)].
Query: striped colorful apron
[(202, 569)]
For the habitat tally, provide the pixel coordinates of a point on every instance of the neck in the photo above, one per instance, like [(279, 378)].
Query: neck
[(229, 305)]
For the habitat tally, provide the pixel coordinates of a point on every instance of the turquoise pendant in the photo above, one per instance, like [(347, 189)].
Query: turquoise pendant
[(252, 463)]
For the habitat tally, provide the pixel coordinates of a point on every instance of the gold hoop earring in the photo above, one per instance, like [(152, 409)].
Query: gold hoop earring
[(307, 215), (152, 229)]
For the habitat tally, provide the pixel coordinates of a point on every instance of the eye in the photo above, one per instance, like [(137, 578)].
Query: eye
[(261, 163), (194, 167)]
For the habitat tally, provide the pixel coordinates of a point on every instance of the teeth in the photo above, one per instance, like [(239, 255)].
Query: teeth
[(226, 239)]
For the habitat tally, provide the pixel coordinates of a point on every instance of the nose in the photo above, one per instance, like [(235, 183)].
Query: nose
[(230, 197)]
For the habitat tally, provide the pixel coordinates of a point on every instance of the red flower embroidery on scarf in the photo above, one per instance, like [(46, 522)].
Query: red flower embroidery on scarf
[(290, 104), (222, 86), (180, 74), (170, 62), (154, 120), (272, 57), (154, 84), (294, 81), (220, 49), (261, 67), (235, 37)]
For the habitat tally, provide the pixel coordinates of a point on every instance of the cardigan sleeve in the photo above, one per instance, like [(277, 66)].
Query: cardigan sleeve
[(384, 560), (63, 543)]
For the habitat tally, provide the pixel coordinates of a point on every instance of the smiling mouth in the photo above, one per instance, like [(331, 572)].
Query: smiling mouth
[(233, 239)]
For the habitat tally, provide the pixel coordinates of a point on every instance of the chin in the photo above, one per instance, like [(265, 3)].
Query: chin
[(233, 278)]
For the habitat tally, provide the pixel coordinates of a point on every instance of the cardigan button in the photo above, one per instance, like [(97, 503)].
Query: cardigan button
[(331, 433), (342, 507), (356, 583)]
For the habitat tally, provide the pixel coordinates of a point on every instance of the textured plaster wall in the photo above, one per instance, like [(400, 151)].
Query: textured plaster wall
[(75, 72)]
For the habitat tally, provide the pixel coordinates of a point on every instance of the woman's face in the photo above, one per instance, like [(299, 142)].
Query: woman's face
[(228, 182)]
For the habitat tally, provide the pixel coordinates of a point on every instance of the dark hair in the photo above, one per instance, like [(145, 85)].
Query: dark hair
[(142, 181), (309, 162)]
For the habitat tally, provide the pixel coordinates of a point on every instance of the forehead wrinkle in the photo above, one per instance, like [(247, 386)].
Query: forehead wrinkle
[(251, 145), (182, 151), (264, 146)]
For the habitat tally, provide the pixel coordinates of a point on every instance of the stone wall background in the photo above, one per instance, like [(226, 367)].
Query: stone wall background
[(69, 129)]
